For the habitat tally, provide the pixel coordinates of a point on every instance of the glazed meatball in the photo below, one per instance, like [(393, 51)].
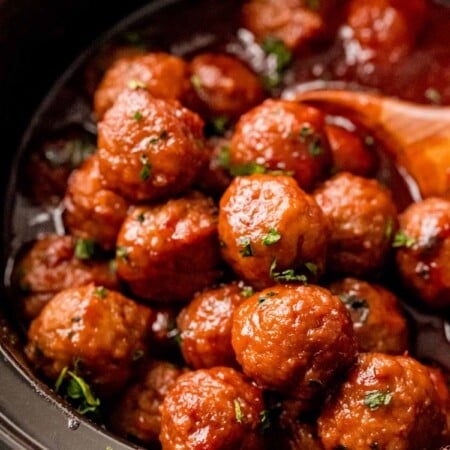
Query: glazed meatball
[(289, 20), (385, 30), (98, 328), (149, 148), (378, 321), (54, 263), (137, 413), (284, 136), (271, 231), (214, 409), (387, 402), (349, 153), (364, 219), (224, 85), (423, 250), (294, 339), (205, 326), (163, 75), (90, 211), (169, 251)]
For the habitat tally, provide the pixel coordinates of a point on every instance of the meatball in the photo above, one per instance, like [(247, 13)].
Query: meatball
[(54, 263), (137, 413), (149, 148), (224, 85), (205, 326), (423, 250), (167, 252), (349, 153), (378, 321), (281, 135), (294, 339), (99, 329), (271, 231), (364, 219), (163, 75), (289, 20), (90, 211), (387, 402), (385, 30), (214, 409)]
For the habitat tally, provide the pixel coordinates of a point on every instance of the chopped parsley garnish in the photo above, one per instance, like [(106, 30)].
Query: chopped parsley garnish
[(137, 84), (140, 217), (401, 239), (246, 249), (286, 276), (138, 354), (196, 82), (144, 174), (77, 392), (246, 169), (315, 147), (388, 230), (374, 399), (247, 291), (305, 132), (262, 299), (122, 253), (100, 292), (276, 47), (224, 157), (264, 420), (238, 411), (137, 116), (312, 267), (272, 237), (162, 137), (218, 125), (85, 248), (433, 95)]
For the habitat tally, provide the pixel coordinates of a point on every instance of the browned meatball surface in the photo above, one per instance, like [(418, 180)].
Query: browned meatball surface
[(149, 148), (423, 250), (385, 30), (364, 220), (214, 409), (349, 153), (98, 329), (54, 263), (271, 231), (387, 402), (205, 326), (378, 321), (163, 75), (292, 21), (168, 251), (283, 136), (137, 413), (224, 84), (90, 211), (294, 339)]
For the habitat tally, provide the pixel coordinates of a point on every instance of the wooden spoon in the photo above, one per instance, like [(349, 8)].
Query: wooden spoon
[(417, 135)]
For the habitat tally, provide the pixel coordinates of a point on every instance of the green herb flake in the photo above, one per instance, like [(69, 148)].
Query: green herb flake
[(246, 169), (312, 267), (219, 125), (144, 174), (238, 412), (137, 355), (375, 399), (136, 84), (247, 291), (389, 228), (122, 253), (276, 47), (261, 300), (434, 96), (264, 420), (315, 147), (85, 249), (401, 239), (196, 82), (286, 276), (246, 249), (137, 116), (272, 237), (140, 217), (305, 131), (224, 157), (100, 291)]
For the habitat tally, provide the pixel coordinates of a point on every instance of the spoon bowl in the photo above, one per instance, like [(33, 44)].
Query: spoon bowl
[(418, 136)]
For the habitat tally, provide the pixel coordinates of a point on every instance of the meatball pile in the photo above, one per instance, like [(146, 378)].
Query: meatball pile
[(231, 289)]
